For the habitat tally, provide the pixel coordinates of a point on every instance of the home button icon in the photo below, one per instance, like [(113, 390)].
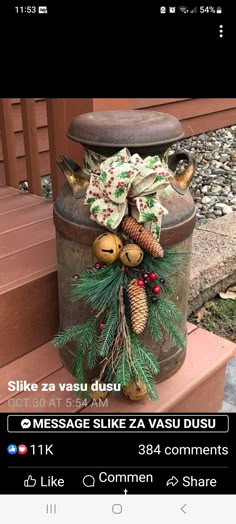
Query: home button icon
[(117, 509)]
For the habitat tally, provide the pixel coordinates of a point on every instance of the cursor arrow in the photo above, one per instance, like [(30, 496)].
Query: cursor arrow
[(183, 510)]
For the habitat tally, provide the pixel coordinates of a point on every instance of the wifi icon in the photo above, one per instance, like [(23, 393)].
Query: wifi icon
[(183, 9)]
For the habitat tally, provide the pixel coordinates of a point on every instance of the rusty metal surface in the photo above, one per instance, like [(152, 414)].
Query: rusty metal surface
[(86, 235), (78, 233), (178, 233), (72, 217), (135, 129)]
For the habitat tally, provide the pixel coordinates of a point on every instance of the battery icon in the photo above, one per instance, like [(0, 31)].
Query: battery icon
[(219, 10), (42, 9)]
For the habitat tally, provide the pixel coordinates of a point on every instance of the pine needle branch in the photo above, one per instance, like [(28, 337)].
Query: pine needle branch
[(145, 366), (98, 289), (152, 324), (80, 372), (68, 335), (92, 355), (171, 329), (169, 309), (122, 373), (172, 264), (149, 359), (86, 339), (145, 376), (107, 337)]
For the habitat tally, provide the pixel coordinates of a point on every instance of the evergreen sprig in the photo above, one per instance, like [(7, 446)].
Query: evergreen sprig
[(79, 371), (98, 287), (86, 339), (145, 366), (175, 336), (68, 335), (107, 337), (92, 354), (163, 316), (121, 373), (172, 264), (152, 325), (86, 334), (169, 309)]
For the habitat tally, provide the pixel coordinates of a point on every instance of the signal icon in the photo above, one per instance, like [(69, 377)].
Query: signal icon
[(183, 9), (194, 10)]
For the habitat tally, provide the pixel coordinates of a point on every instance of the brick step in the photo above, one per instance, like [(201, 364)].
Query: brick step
[(28, 277), (197, 387)]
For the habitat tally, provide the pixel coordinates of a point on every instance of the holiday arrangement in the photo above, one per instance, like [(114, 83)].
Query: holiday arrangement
[(129, 286)]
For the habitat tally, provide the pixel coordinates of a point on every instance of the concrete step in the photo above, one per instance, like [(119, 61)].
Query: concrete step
[(213, 267)]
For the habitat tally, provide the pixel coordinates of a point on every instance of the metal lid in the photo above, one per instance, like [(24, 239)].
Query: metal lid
[(131, 129)]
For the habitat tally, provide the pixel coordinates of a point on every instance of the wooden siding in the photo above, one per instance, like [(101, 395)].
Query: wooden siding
[(196, 114), (42, 137)]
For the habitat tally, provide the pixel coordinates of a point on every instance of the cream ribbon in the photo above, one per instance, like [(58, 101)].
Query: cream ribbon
[(125, 183)]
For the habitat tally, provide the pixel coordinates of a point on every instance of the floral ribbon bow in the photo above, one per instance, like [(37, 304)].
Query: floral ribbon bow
[(121, 180)]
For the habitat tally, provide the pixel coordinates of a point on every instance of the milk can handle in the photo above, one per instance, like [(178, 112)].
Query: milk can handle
[(75, 177), (182, 180)]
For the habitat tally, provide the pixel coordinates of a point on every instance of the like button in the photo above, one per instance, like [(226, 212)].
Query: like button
[(29, 482)]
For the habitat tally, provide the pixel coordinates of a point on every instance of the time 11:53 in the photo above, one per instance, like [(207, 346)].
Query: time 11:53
[(25, 9)]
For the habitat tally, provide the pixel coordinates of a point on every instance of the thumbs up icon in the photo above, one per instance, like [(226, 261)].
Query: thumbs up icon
[(29, 482)]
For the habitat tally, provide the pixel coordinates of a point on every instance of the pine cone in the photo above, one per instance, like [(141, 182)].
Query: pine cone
[(142, 237), (138, 306)]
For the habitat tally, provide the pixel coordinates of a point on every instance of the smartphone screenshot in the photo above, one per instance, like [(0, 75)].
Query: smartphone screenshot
[(118, 305)]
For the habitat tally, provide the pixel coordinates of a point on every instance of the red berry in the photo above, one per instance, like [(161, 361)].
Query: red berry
[(98, 265), (140, 282), (76, 277), (152, 276), (101, 325), (156, 290)]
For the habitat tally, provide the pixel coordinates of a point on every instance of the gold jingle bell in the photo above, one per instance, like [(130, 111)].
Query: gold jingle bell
[(95, 394), (135, 391), (131, 255), (107, 248)]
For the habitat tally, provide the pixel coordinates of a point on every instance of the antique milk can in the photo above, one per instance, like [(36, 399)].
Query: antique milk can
[(146, 133)]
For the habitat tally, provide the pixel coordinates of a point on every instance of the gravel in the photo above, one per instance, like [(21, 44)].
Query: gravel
[(213, 187), (46, 186)]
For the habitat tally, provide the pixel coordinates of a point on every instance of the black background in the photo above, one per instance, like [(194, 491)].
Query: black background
[(78, 454), (117, 49)]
